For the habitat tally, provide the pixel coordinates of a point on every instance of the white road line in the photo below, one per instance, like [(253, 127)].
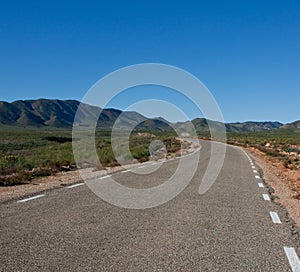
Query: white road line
[(266, 197), (251, 163), (254, 171), (29, 198), (143, 166), (75, 185), (253, 166), (275, 217), (293, 258), (260, 185), (104, 177), (257, 177), (125, 171)]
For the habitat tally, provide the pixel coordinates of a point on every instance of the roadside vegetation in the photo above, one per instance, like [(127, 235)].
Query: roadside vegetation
[(27, 154), (281, 145), (281, 148)]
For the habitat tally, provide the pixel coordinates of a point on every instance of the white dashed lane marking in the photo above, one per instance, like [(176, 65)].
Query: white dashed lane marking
[(125, 171), (293, 258), (104, 177), (275, 217), (75, 185), (289, 251), (266, 197), (29, 198)]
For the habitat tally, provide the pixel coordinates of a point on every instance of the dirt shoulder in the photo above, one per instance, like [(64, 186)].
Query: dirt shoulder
[(39, 185), (285, 182)]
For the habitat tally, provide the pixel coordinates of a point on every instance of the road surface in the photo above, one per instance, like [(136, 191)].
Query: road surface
[(232, 227)]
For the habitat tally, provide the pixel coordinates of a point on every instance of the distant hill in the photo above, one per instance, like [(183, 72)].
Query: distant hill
[(295, 126), (38, 113), (253, 126), (201, 124), (61, 113), (155, 125)]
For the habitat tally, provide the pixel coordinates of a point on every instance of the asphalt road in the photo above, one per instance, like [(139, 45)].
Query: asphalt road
[(229, 228)]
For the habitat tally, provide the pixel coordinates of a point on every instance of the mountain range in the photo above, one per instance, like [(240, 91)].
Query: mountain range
[(60, 114)]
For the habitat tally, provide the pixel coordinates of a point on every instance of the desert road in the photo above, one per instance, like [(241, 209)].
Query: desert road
[(234, 226)]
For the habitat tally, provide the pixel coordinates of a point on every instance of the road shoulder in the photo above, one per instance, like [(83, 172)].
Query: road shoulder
[(280, 184)]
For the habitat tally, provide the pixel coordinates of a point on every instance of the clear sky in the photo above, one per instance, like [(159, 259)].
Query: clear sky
[(246, 52)]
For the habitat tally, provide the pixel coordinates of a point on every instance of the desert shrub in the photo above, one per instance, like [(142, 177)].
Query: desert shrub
[(58, 139), (140, 152), (21, 177), (287, 162), (291, 149)]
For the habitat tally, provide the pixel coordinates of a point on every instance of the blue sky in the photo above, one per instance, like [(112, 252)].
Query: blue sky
[(246, 52)]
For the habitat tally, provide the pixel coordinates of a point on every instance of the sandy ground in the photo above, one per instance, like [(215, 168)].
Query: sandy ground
[(283, 183)]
